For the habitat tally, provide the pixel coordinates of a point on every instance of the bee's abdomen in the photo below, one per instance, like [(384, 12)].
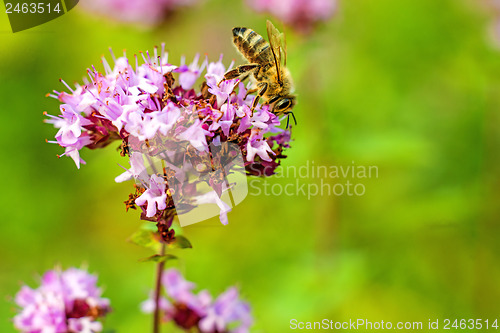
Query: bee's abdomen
[(251, 45)]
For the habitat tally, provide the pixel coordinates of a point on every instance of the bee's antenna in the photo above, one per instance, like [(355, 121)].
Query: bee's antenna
[(288, 119)]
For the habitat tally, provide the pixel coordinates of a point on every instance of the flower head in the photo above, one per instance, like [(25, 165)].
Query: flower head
[(227, 313), (170, 131), (155, 196), (144, 12), (67, 301), (300, 14)]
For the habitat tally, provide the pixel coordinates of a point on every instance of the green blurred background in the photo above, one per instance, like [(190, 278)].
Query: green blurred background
[(409, 86)]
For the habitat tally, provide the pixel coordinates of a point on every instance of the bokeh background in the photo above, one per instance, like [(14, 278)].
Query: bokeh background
[(409, 86)]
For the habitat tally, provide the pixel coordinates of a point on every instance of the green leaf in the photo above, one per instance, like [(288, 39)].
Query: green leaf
[(158, 258), (149, 226), (181, 242), (145, 238)]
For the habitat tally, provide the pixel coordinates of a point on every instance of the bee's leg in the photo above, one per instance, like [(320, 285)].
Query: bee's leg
[(239, 71), (246, 69), (229, 75), (250, 91), (263, 87), (245, 76)]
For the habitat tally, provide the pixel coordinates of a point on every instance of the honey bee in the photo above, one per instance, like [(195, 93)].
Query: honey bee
[(266, 67)]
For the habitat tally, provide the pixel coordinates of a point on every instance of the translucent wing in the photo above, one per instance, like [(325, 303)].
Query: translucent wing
[(284, 49), (276, 41)]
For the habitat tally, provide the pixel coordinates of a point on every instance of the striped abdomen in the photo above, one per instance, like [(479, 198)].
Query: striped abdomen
[(252, 46)]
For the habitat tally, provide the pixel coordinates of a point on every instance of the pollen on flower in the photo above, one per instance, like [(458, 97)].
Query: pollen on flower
[(130, 203), (183, 143)]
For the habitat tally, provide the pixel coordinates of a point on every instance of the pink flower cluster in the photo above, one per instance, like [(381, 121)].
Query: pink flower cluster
[(227, 313), (300, 14), (155, 118), (144, 12), (65, 302), (494, 29)]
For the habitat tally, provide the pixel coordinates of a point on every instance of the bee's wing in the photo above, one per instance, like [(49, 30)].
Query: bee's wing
[(276, 40), (284, 48)]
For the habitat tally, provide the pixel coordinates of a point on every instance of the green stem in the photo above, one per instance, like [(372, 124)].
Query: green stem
[(159, 272)]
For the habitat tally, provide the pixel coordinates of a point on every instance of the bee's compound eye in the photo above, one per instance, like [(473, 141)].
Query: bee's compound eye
[(284, 104)]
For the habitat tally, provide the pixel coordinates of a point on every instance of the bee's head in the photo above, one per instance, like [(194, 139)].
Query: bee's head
[(284, 104)]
